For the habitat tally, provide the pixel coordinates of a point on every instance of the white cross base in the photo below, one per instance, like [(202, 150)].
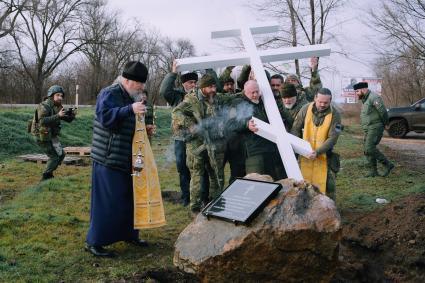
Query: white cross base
[(275, 131)]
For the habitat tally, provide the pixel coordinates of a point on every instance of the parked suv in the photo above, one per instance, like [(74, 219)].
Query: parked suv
[(406, 119)]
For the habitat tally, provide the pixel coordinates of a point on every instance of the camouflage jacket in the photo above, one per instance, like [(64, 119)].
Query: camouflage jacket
[(49, 120), (318, 118), (373, 113), (309, 92), (292, 113), (201, 122)]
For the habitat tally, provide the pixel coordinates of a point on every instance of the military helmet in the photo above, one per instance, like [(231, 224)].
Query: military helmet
[(55, 89)]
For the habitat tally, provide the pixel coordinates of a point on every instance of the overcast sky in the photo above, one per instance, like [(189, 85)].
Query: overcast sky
[(195, 19)]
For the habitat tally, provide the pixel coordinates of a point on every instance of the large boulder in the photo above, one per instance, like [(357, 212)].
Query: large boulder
[(294, 239)]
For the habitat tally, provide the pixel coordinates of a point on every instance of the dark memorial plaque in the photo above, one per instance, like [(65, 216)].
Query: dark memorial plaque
[(242, 200)]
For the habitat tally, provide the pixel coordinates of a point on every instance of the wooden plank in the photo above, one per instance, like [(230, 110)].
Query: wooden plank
[(76, 150), (42, 158)]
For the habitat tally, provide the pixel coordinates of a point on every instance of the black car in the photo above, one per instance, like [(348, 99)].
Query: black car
[(406, 119)]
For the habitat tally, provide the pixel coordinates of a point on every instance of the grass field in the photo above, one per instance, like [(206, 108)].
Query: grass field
[(43, 226)]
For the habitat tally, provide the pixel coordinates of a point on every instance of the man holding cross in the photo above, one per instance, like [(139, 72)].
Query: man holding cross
[(322, 126), (262, 155)]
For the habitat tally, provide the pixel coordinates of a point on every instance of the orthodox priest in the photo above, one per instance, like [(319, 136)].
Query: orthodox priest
[(111, 213)]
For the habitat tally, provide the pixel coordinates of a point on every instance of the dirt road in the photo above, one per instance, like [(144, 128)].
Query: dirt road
[(409, 151)]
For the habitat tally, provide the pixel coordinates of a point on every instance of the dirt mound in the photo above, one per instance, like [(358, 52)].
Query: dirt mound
[(386, 245)]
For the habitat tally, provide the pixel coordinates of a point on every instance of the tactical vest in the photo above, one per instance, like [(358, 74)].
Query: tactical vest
[(113, 147)]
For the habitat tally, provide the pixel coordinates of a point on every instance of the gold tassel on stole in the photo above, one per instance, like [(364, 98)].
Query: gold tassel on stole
[(148, 206)]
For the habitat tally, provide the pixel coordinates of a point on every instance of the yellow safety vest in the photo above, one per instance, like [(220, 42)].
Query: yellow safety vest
[(315, 171)]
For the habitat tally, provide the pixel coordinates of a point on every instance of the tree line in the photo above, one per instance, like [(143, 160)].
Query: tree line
[(70, 42), (84, 42), (401, 64)]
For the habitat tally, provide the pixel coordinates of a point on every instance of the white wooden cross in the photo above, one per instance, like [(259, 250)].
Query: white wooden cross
[(275, 131)]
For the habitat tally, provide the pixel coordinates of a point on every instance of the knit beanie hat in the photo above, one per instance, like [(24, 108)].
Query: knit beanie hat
[(206, 80), (288, 90)]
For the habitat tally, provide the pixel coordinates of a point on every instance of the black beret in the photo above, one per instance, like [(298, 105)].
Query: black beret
[(288, 90), (135, 71), (206, 80), (360, 85), (189, 77)]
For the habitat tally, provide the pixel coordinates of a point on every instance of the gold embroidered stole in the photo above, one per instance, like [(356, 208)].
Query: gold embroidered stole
[(148, 206)]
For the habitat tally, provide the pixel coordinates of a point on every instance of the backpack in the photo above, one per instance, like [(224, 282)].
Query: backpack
[(33, 126)]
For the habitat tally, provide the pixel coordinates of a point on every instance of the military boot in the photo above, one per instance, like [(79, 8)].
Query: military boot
[(388, 167), (46, 176), (372, 173), (373, 169)]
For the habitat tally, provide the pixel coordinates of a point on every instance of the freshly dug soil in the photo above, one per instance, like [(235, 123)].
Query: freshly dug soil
[(386, 245)]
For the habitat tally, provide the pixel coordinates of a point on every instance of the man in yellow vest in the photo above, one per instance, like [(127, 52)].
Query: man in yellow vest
[(322, 126)]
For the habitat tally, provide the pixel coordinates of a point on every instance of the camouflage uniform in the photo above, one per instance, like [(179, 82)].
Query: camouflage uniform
[(47, 138), (309, 92), (327, 146), (292, 113), (373, 118), (205, 143)]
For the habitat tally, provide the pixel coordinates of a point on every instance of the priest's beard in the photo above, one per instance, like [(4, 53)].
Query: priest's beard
[(135, 94)]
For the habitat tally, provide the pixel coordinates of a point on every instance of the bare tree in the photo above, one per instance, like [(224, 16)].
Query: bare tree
[(9, 11), (97, 38), (402, 25), (403, 79), (303, 22), (47, 35)]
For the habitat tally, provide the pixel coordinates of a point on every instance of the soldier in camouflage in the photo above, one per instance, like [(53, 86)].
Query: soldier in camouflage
[(205, 138), (234, 153), (292, 104), (50, 112), (227, 81), (307, 93), (174, 96), (374, 118)]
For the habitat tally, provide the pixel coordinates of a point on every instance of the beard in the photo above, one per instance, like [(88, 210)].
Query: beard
[(135, 94), (289, 106)]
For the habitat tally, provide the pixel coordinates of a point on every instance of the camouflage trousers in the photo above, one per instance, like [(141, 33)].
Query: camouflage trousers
[(55, 154), (372, 137), (199, 160)]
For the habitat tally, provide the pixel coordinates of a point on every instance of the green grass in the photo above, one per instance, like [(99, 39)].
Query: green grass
[(43, 227), (354, 192)]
